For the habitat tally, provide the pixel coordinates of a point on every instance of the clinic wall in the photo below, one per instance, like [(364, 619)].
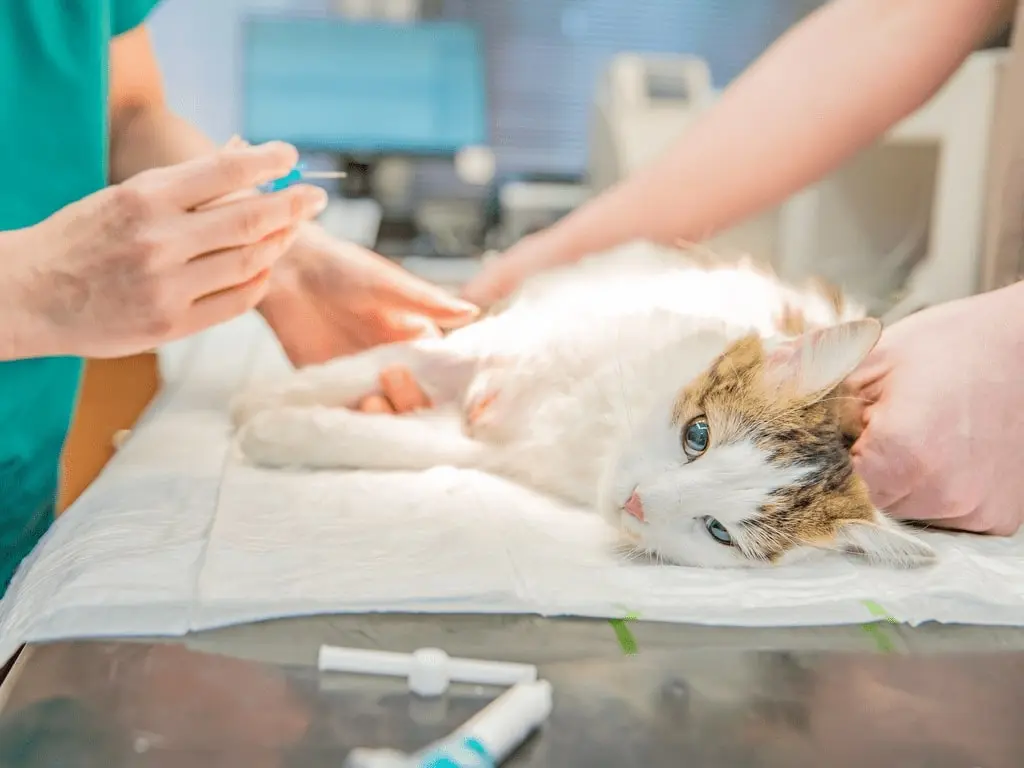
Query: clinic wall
[(198, 44)]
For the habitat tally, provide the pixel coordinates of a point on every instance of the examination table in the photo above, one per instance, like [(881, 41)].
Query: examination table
[(635, 695), (626, 693)]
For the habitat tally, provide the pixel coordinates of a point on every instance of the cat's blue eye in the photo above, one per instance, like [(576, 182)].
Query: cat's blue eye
[(696, 437), (717, 531)]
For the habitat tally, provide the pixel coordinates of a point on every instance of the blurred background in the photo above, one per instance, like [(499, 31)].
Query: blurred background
[(465, 124)]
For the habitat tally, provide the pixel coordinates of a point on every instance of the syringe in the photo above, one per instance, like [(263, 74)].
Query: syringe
[(297, 174)]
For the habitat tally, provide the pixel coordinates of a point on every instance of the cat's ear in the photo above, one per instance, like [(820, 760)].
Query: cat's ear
[(817, 361), (885, 542)]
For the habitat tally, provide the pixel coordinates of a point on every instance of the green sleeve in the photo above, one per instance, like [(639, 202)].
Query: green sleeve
[(126, 15)]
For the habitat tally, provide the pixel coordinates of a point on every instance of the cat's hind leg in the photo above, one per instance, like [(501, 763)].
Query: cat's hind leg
[(338, 438), (442, 373)]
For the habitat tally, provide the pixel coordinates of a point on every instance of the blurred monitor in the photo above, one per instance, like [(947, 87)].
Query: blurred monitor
[(363, 87)]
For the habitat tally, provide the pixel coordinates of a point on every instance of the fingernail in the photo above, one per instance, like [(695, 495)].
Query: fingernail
[(314, 200), (319, 203), (275, 146), (466, 307)]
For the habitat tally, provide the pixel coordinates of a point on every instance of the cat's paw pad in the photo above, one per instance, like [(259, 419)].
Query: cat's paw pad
[(276, 438), (479, 407), (483, 407)]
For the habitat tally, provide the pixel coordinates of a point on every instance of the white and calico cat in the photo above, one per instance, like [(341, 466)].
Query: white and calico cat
[(697, 407)]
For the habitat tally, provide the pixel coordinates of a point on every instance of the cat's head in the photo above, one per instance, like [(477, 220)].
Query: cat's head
[(748, 464)]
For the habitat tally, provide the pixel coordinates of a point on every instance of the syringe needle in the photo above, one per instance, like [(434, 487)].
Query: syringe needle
[(324, 174)]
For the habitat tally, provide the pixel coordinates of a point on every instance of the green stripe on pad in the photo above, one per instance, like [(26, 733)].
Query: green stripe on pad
[(626, 640), (883, 642)]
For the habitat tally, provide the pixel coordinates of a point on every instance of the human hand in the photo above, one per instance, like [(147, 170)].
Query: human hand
[(399, 390), (944, 414), (502, 275), (328, 298), (160, 256)]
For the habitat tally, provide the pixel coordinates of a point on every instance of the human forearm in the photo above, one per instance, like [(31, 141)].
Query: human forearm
[(34, 298), (824, 91), (21, 332), (152, 136)]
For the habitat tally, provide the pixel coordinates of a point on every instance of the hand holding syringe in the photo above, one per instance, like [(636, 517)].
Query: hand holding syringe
[(297, 174)]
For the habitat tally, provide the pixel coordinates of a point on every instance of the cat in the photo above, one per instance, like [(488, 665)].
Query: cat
[(697, 407)]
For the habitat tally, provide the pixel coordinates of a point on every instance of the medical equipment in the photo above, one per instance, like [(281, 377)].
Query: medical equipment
[(901, 226), (390, 101), (363, 88), (429, 670), (484, 741), (297, 174)]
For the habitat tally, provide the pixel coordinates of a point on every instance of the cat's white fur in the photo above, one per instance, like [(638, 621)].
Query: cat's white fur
[(584, 368)]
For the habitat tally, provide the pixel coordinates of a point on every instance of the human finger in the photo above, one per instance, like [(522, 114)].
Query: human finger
[(236, 266), (492, 285), (501, 276), (404, 327), (435, 305), (973, 522), (416, 296), (375, 404), (235, 142), (249, 220), (226, 305), (947, 499), (402, 390), (195, 182)]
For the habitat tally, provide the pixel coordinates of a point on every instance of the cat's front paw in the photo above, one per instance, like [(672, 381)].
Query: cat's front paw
[(245, 405), (278, 437)]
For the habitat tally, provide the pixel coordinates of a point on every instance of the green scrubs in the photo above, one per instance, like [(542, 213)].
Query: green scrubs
[(53, 151)]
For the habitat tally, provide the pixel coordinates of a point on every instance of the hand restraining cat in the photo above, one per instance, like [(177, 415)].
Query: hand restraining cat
[(696, 407)]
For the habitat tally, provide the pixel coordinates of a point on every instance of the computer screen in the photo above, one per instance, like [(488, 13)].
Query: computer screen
[(328, 84)]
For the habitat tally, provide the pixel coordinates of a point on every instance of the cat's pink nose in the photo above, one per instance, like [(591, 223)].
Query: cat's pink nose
[(634, 507)]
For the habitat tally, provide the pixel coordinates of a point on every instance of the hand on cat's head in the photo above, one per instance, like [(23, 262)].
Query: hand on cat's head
[(943, 420), (749, 465)]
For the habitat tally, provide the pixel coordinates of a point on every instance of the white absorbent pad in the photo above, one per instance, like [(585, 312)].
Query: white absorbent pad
[(178, 534)]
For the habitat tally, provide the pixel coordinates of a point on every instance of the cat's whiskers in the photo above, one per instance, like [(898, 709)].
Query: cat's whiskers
[(763, 537), (630, 552)]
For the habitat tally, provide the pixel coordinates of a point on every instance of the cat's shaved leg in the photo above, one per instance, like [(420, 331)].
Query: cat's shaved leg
[(443, 375), (486, 404), (338, 438)]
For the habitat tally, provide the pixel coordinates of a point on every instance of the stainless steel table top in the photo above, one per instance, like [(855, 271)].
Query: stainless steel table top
[(688, 698)]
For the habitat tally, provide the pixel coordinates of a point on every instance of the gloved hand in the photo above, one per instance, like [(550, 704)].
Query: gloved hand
[(151, 260), (943, 415)]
